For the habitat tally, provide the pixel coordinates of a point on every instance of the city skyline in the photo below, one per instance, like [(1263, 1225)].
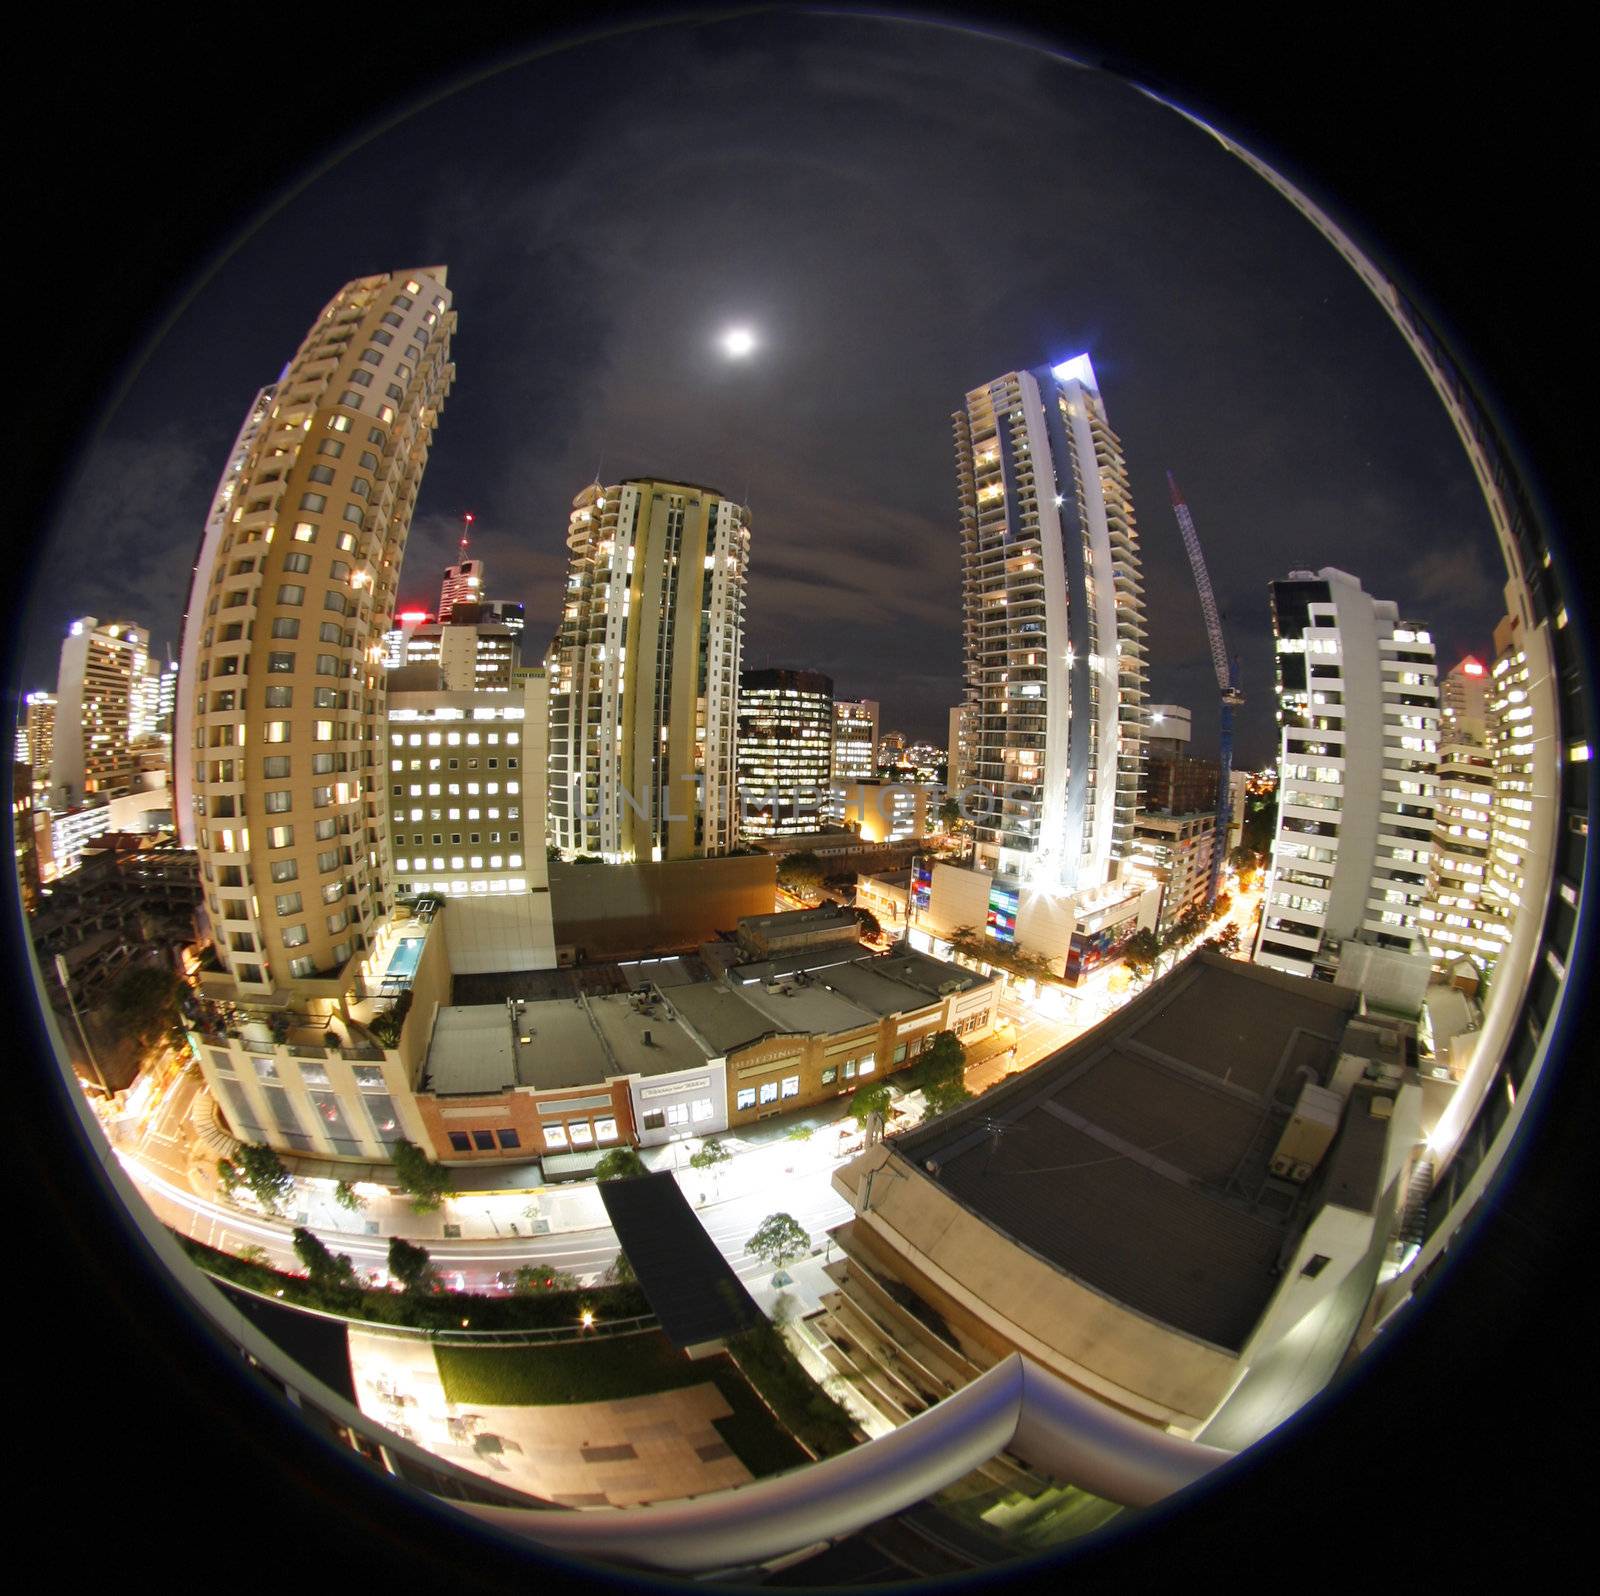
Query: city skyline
[(1252, 364)]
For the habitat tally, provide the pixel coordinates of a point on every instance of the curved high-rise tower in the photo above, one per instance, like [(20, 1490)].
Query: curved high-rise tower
[(1054, 627), (283, 712)]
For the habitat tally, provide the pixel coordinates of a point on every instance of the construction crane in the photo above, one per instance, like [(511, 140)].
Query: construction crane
[(1227, 670)]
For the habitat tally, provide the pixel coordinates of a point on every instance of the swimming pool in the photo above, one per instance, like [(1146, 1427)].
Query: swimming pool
[(403, 965)]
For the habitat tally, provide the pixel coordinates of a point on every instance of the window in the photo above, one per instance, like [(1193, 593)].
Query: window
[(769, 1091), (291, 593), (278, 663), (331, 447), (868, 1064), (582, 1135), (313, 502), (280, 697), (302, 967), (288, 903), (294, 936), (483, 1141), (554, 1135), (677, 1113), (327, 664), (830, 1075), (331, 633), (900, 1054), (278, 803), (655, 1120), (277, 731), (849, 1069), (285, 870), (702, 1109), (605, 1130), (508, 1140), (1314, 1266), (746, 1097), (280, 837), (298, 563), (286, 626), (460, 1142)]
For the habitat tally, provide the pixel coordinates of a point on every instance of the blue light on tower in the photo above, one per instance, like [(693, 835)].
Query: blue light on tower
[(1078, 369)]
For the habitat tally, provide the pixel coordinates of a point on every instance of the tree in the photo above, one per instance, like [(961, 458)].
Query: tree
[(942, 1096), (621, 1271), (410, 1265), (261, 1172), (950, 814), (532, 1281), (1228, 940), (1140, 953), (869, 1100), (348, 1197), (621, 1163), (427, 1183), (869, 923), (1222, 905), (323, 1267), (800, 872), (779, 1239), (711, 1154)]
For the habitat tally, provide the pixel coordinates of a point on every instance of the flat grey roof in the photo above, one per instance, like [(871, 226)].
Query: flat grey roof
[(570, 1043), (642, 1042), (472, 1050), (722, 1017), (874, 990), (1135, 1159), (794, 922)]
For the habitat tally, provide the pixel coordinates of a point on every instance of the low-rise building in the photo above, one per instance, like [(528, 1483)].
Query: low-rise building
[(1147, 1214), (886, 896), (1175, 852), (791, 930), (798, 1031)]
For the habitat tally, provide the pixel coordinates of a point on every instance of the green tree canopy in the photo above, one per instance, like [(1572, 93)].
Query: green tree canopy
[(1141, 951), (621, 1163), (942, 1096), (779, 1239), (711, 1154), (323, 1267), (868, 922), (348, 1197), (801, 872), (262, 1172), (427, 1183), (873, 1098), (531, 1280), (950, 812), (411, 1266)]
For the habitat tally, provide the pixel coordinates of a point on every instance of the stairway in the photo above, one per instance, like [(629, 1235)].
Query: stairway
[(1414, 1211)]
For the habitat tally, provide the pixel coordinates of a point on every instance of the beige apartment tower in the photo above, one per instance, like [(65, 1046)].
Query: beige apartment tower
[(293, 592), (644, 673)]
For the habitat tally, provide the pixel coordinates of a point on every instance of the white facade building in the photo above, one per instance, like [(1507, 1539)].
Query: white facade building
[(644, 686), (1359, 706), (1055, 666)]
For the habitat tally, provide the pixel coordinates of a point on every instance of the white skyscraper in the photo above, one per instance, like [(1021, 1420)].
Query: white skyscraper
[(644, 673), (1359, 706), (1055, 665), (1054, 626)]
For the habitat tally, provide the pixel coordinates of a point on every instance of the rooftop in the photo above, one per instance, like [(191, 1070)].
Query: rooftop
[(555, 1043), (798, 922), (1135, 1160)]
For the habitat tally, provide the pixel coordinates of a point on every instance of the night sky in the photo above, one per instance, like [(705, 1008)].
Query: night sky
[(900, 213)]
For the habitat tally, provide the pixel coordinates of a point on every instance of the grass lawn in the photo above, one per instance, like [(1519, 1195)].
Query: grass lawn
[(605, 1370)]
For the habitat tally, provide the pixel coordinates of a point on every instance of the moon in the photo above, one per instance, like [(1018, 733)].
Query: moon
[(737, 342)]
